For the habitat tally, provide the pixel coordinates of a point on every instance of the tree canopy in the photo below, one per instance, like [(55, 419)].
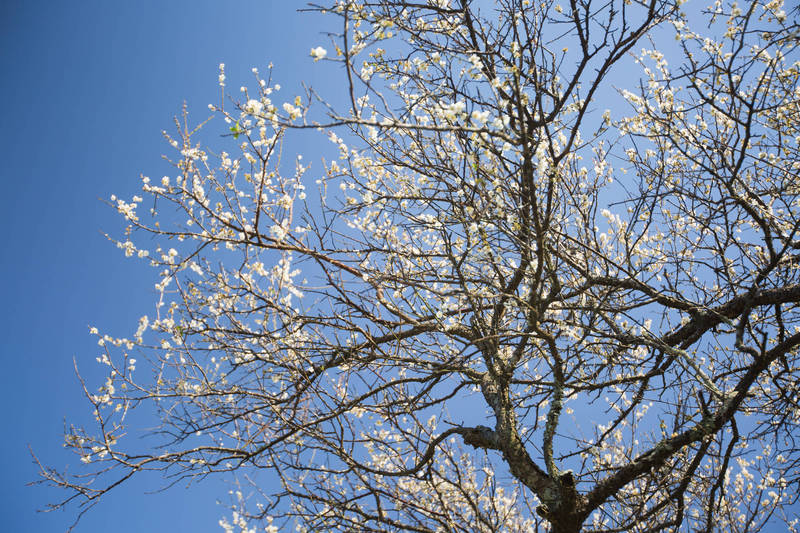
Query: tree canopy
[(543, 275)]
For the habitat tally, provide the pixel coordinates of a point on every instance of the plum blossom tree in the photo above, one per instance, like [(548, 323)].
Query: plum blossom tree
[(502, 307)]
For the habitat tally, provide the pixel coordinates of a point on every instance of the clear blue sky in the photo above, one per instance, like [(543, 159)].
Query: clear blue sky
[(86, 88)]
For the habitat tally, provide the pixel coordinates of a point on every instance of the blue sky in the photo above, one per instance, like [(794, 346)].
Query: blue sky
[(87, 88)]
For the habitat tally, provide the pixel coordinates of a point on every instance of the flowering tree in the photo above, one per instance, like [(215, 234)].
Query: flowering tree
[(502, 308)]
